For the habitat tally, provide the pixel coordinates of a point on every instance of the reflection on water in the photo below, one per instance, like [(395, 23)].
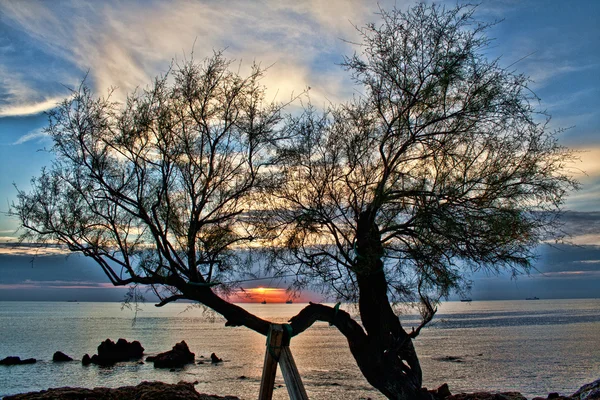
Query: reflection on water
[(532, 347)]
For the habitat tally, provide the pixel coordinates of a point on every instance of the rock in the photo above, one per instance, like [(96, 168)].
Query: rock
[(13, 360), (443, 391), (487, 396), (449, 359), (214, 359), (590, 391), (59, 356), (179, 356), (110, 352), (86, 360), (145, 390)]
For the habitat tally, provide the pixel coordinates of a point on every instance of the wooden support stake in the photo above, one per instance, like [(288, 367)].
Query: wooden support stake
[(272, 355), (292, 379)]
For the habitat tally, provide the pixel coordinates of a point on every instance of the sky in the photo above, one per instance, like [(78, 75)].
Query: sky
[(46, 48)]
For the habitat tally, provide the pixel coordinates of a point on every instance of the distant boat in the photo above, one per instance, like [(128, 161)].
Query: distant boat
[(289, 302), (466, 300), (264, 302), (532, 298), (71, 301)]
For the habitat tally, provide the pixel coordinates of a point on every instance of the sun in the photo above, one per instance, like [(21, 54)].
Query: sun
[(263, 294)]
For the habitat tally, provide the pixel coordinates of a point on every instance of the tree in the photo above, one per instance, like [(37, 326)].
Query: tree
[(155, 190), (438, 168)]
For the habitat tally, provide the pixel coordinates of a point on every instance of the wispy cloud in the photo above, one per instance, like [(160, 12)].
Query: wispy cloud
[(57, 284), (10, 246), (33, 135), (125, 44), (566, 274), (23, 109)]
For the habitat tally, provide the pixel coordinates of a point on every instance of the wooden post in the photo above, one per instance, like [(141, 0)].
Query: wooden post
[(267, 382), (292, 379), (278, 351)]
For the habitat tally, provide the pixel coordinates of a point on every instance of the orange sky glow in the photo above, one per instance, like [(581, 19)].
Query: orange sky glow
[(268, 294)]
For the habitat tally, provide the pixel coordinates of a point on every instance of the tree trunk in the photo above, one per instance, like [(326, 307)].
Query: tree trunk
[(387, 359)]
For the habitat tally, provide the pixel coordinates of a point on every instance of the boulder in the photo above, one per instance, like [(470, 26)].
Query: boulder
[(86, 360), (590, 391), (59, 356), (110, 352), (177, 357), (214, 359), (442, 392), (145, 390), (12, 360)]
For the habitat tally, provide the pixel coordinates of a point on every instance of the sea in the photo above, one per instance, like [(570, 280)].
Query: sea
[(534, 347)]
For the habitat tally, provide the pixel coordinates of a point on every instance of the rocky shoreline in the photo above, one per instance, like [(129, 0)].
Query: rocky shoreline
[(186, 390), (145, 390), (180, 355), (590, 391)]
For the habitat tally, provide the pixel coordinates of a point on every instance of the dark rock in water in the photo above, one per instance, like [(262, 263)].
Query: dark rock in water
[(449, 359), (553, 396), (86, 360), (179, 356), (12, 360), (214, 359), (443, 391), (59, 356), (590, 391), (145, 390), (487, 396), (110, 352)]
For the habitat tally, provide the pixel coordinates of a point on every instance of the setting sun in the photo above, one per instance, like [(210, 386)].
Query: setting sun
[(260, 294), (270, 295)]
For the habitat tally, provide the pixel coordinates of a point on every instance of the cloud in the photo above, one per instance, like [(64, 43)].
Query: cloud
[(57, 284), (126, 44), (10, 246), (23, 109), (19, 98), (566, 274), (589, 164), (32, 135), (543, 71)]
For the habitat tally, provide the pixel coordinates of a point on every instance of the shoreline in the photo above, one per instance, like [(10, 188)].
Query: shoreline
[(157, 390)]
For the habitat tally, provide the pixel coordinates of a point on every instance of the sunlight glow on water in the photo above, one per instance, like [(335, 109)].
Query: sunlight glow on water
[(534, 347)]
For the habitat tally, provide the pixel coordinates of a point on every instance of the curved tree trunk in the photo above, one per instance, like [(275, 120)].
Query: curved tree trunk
[(388, 360), (383, 350)]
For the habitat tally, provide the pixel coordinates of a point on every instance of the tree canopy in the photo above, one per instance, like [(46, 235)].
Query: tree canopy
[(441, 165)]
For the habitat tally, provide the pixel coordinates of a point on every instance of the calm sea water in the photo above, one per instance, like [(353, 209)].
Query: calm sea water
[(534, 347)]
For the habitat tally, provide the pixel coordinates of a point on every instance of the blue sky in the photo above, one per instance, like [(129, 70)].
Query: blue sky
[(48, 47)]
